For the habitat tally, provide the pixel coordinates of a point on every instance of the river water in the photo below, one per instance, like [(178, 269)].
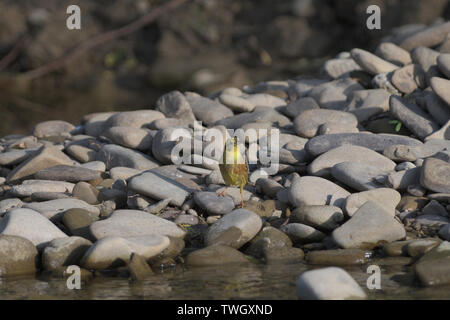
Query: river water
[(275, 281)]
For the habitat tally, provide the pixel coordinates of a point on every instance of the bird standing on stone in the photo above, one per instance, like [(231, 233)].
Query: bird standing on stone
[(233, 167)]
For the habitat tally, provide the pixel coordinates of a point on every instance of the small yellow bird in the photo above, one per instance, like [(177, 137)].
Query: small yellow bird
[(233, 167)]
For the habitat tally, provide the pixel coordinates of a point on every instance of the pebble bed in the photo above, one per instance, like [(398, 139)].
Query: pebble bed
[(364, 176)]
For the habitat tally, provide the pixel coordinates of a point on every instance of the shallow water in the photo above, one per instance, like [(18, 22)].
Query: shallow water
[(237, 282)]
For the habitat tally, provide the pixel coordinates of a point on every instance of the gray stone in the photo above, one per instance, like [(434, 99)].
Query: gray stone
[(206, 110), (438, 109), (247, 221), (175, 105), (116, 156), (384, 197), (28, 187), (369, 225), (442, 88), (159, 187), (53, 128), (432, 268), (328, 284), (376, 142), (130, 137), (338, 68), (299, 106), (371, 63), (133, 223), (427, 59), (321, 166), (418, 247), (259, 114), (409, 78), (18, 256), (308, 122), (316, 191), (301, 233), (428, 37), (86, 192), (236, 103), (393, 53), (64, 252), (367, 103), (214, 204), (30, 225), (54, 209), (339, 257), (268, 186), (14, 157), (359, 176), (81, 153), (67, 173), (78, 222), (321, 217), (435, 175), (45, 158), (9, 204), (135, 119), (414, 118), (111, 251), (334, 94), (444, 64)]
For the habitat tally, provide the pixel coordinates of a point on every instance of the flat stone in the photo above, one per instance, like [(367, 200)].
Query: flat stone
[(434, 207), (259, 114), (316, 191), (414, 118), (334, 94), (296, 107), (370, 224), (385, 197), (428, 37), (376, 142), (427, 59), (67, 173), (110, 252), (18, 256), (123, 173), (236, 103), (396, 248), (53, 128), (337, 68), (214, 204), (444, 64), (402, 179), (431, 220), (130, 137), (441, 87), (14, 157), (54, 209), (268, 237), (321, 217), (135, 119), (367, 103), (215, 256), (94, 165), (94, 122), (166, 140), (9, 204), (268, 186), (247, 221), (339, 257), (435, 175), (31, 225), (371, 63), (321, 166), (116, 156), (308, 122), (64, 252), (418, 247), (81, 153), (262, 99), (28, 187), (432, 268), (301, 233), (45, 196), (359, 176), (206, 110), (133, 223), (159, 187), (393, 53), (44, 158), (328, 284)]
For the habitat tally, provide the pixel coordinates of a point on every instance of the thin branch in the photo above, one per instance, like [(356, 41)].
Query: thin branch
[(104, 38), (15, 51)]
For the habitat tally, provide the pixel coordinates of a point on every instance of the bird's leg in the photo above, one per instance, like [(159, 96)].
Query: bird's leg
[(242, 196), (223, 193)]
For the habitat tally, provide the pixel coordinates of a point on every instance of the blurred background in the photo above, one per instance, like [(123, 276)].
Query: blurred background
[(203, 46)]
